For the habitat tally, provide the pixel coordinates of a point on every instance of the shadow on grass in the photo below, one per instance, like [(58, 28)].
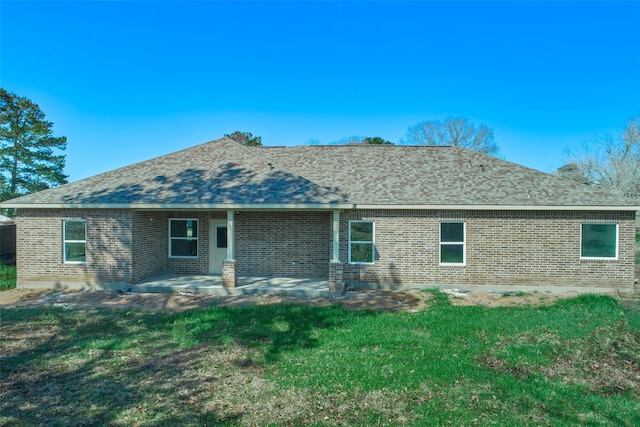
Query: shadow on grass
[(273, 329), (231, 366), (103, 366)]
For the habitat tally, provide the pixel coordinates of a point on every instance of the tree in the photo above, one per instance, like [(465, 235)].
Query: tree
[(355, 139), (572, 172), (30, 158), (376, 140), (245, 138), (456, 131), (609, 161)]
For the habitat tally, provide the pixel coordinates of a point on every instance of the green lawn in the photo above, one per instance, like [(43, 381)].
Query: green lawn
[(7, 277), (574, 363)]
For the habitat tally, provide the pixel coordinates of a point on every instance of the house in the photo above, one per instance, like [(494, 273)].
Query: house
[(392, 215)]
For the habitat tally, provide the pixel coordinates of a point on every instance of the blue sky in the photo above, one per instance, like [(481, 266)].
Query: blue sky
[(127, 81)]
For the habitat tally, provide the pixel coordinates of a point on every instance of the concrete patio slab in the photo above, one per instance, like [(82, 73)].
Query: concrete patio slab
[(212, 285)]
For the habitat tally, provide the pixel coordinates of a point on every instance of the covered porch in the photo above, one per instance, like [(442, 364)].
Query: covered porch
[(230, 271), (212, 284), (234, 248)]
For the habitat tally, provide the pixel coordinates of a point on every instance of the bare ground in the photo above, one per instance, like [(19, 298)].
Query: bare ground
[(362, 299)]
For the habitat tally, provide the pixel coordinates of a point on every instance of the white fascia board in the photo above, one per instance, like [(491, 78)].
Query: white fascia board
[(181, 207), (307, 206), (244, 207), (500, 207)]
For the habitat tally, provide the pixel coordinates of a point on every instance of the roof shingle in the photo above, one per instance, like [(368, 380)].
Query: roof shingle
[(223, 172)]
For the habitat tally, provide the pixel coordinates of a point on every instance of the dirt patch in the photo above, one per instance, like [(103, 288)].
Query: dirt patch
[(505, 299), (362, 299)]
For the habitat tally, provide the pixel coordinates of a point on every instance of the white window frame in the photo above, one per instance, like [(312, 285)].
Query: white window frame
[(197, 238), (372, 242), (463, 243), (614, 258), (65, 241)]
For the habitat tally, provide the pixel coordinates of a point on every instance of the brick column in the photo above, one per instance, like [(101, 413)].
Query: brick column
[(229, 273), (336, 277)]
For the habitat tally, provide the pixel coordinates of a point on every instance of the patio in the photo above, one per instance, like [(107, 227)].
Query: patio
[(212, 285)]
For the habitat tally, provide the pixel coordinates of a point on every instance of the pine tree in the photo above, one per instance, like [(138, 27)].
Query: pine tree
[(30, 158), (245, 138)]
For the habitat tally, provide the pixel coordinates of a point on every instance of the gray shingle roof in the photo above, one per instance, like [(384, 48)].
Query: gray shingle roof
[(222, 172)]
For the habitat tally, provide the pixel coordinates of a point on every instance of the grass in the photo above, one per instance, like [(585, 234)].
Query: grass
[(7, 277), (574, 363)]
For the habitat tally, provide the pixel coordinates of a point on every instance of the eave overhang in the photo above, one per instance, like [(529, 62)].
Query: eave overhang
[(496, 207), (182, 207), (314, 206)]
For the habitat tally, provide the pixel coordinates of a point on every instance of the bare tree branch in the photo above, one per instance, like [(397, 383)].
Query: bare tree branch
[(456, 131), (608, 161)]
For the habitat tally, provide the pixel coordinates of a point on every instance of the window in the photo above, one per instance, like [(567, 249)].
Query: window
[(74, 241), (452, 250), (183, 238), (599, 241), (221, 236), (361, 242)]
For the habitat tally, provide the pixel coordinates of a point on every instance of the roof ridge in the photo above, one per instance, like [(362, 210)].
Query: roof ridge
[(223, 170), (387, 146)]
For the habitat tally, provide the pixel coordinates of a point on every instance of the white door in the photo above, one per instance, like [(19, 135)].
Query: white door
[(217, 244)]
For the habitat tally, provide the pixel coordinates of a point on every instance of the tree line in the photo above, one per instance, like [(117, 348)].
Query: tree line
[(454, 131), (32, 158), (606, 161)]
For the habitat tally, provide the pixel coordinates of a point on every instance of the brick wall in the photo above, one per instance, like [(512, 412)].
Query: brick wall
[(267, 244), (40, 251), (510, 248), (112, 237), (287, 244), (198, 265), (151, 244)]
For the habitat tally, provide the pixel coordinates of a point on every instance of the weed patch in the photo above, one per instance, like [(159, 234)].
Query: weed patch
[(7, 277)]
